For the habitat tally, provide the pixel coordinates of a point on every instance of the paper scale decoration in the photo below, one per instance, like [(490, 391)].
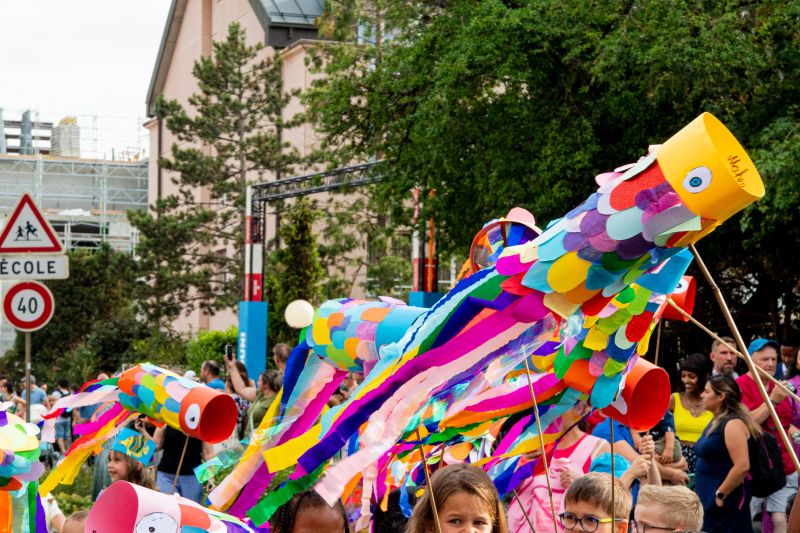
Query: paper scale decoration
[(579, 300), (167, 398), (20, 469)]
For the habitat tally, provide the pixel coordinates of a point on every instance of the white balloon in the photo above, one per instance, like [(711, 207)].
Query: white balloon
[(299, 314)]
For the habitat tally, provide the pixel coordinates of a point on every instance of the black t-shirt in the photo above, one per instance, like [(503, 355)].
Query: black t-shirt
[(173, 446)]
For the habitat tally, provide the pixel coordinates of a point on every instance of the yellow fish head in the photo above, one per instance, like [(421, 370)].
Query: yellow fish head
[(711, 172)]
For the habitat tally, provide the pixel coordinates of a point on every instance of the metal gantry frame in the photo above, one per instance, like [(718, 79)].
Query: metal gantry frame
[(262, 194)]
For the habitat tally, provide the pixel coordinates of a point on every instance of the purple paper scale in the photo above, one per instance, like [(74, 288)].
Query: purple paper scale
[(603, 243), (593, 223), (633, 248), (574, 241), (366, 330)]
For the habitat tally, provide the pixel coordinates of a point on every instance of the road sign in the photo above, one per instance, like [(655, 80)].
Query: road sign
[(30, 266), (27, 231), (28, 305)]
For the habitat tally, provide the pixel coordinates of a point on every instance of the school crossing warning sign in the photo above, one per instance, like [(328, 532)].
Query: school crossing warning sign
[(27, 231)]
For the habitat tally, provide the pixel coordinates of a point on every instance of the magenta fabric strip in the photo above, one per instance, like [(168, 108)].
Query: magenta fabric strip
[(102, 420)]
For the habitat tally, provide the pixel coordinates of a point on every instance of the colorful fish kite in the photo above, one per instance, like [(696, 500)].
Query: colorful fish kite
[(165, 397), (577, 301)]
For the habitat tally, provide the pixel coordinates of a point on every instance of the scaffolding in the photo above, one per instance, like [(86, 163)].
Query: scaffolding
[(85, 200)]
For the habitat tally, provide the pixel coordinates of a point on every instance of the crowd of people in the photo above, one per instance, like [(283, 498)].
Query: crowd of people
[(171, 469), (690, 472), (708, 438), (706, 445)]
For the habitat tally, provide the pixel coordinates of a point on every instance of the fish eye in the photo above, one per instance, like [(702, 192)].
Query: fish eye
[(697, 180), (192, 416)]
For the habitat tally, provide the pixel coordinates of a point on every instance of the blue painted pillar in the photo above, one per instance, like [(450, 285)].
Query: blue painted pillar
[(252, 345)]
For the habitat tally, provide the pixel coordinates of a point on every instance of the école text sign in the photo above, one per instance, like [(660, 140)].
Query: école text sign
[(23, 267)]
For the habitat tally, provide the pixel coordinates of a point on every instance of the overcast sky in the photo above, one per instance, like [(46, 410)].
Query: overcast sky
[(81, 57)]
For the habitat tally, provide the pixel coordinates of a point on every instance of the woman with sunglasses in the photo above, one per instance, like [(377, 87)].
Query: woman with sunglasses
[(723, 460)]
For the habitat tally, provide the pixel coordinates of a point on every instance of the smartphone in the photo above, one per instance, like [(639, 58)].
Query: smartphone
[(229, 352)]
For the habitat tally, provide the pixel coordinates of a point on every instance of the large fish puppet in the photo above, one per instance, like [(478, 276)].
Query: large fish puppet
[(165, 397), (578, 301)]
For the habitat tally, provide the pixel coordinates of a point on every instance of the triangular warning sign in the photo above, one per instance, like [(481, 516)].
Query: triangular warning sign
[(27, 231)]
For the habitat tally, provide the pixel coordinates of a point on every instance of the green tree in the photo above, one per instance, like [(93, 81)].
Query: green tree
[(231, 132), (493, 104), (294, 271), (93, 323), (357, 242), (209, 345), (163, 347)]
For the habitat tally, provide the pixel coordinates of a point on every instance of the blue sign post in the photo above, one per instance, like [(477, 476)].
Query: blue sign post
[(252, 343)]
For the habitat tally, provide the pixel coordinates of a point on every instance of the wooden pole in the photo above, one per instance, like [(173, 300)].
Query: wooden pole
[(524, 512), (180, 463), (655, 359), (613, 474), (747, 359), (762, 372), (541, 443), (436, 523), (658, 343)]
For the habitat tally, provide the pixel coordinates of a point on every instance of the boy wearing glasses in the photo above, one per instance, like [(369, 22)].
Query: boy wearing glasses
[(661, 509), (588, 507)]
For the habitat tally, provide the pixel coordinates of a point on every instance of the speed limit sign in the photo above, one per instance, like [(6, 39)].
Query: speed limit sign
[(28, 305)]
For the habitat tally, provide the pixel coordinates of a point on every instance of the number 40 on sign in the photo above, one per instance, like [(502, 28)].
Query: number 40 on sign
[(28, 306)]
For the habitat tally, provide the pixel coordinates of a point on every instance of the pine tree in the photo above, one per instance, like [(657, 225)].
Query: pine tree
[(191, 244), (294, 272)]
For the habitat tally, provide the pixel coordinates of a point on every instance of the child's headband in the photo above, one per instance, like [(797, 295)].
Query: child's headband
[(134, 444)]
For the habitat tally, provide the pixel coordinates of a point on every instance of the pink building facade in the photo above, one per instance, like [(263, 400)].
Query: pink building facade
[(285, 27)]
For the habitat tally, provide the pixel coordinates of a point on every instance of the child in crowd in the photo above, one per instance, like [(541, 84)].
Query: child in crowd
[(75, 523), (129, 456), (668, 448), (588, 505), (667, 508), (464, 496), (306, 512)]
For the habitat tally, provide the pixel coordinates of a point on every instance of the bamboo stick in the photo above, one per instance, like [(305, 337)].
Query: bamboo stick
[(436, 523), (541, 443)]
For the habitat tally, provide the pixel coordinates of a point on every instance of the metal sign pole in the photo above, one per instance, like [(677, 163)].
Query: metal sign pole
[(27, 376)]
